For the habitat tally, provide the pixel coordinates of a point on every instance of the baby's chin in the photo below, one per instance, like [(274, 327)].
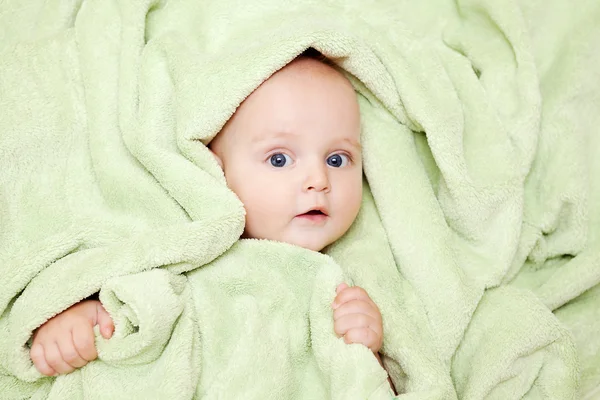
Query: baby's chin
[(310, 242), (315, 241), (310, 246)]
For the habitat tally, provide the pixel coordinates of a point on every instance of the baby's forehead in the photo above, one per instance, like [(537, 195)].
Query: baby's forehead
[(285, 81)]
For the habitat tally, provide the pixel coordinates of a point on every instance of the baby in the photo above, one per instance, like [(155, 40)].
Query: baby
[(292, 154)]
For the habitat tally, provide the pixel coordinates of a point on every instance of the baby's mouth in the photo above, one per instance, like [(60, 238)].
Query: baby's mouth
[(315, 212), (316, 215)]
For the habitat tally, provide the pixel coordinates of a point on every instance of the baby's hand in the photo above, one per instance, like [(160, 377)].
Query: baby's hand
[(66, 342), (357, 318)]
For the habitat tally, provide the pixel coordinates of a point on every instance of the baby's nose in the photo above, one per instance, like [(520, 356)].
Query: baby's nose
[(317, 179)]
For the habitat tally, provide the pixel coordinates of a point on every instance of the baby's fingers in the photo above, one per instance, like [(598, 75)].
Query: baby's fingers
[(341, 287), (348, 322), (55, 359), (357, 307), (349, 294), (39, 360), (105, 322), (84, 341), (365, 336), (69, 353)]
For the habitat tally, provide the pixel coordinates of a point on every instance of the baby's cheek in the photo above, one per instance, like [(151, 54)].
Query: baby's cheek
[(350, 201), (262, 215)]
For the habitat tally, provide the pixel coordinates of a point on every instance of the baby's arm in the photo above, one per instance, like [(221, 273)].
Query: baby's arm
[(358, 319), (66, 341)]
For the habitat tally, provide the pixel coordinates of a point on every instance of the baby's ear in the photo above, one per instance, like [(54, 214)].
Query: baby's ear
[(217, 158)]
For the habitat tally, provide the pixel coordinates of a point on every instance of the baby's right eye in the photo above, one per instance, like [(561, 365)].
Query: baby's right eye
[(280, 160)]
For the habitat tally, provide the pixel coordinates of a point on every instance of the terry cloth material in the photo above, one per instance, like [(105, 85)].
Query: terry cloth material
[(480, 215)]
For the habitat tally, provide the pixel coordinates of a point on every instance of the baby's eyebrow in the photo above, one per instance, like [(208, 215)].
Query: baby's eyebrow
[(354, 144), (278, 135)]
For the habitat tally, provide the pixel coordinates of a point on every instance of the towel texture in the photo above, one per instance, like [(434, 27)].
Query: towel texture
[(478, 237)]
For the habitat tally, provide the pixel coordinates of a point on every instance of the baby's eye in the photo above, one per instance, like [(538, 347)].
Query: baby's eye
[(338, 160), (280, 160)]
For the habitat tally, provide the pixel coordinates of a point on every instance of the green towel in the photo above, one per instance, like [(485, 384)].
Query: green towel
[(106, 185), (558, 257)]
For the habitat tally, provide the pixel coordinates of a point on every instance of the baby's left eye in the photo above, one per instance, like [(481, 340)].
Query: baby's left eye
[(338, 160)]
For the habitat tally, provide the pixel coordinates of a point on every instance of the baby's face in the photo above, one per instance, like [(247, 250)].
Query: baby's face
[(291, 153)]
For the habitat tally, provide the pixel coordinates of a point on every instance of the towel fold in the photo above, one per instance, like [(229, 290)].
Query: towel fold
[(480, 214)]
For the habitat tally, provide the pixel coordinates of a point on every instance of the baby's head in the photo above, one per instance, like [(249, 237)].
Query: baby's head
[(291, 153)]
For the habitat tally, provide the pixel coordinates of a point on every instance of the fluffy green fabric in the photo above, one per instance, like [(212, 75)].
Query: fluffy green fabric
[(480, 216)]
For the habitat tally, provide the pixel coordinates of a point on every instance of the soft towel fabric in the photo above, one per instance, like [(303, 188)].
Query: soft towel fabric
[(559, 251), (469, 235)]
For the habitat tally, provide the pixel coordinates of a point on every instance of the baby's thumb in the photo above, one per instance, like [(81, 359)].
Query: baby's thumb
[(105, 323), (341, 287)]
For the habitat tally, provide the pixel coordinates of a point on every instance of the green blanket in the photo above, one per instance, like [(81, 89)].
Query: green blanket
[(480, 216)]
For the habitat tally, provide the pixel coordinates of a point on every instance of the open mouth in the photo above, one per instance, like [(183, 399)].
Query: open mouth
[(315, 212), (316, 215)]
